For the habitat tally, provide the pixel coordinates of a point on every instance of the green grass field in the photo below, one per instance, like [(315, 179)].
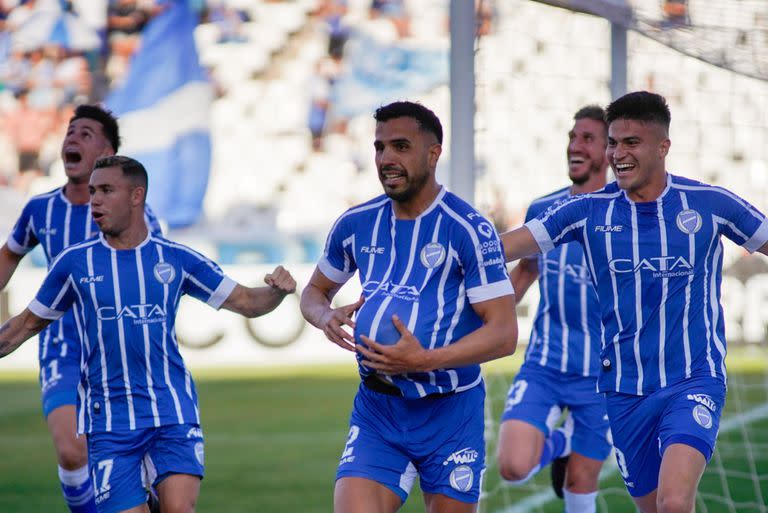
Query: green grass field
[(273, 440)]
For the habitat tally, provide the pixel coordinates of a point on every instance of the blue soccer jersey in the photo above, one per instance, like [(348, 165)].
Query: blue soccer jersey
[(124, 303), (566, 332), (426, 270), (53, 222), (657, 268)]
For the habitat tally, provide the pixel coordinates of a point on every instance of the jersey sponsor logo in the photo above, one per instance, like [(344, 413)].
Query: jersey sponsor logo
[(689, 221), (92, 279), (494, 261), (485, 229), (703, 399), (489, 246), (609, 228), (702, 416), (461, 478), (432, 255), (372, 250), (404, 292), (660, 267), (195, 432), (48, 231), (462, 456), (140, 314), (576, 272), (164, 272)]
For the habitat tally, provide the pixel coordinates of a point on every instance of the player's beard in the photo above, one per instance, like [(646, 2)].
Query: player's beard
[(415, 184), (584, 178)]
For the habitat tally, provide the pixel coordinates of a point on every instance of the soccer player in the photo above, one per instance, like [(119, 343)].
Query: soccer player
[(652, 241), (136, 399), (562, 361), (56, 220), (436, 303)]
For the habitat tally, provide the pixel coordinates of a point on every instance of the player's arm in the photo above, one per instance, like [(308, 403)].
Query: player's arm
[(519, 243), (523, 276), (317, 310), (255, 301), (764, 249), (9, 261), (496, 338), (19, 329)]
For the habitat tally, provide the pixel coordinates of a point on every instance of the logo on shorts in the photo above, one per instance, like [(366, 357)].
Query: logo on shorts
[(195, 432), (432, 255), (164, 272), (200, 453), (703, 399), (702, 416), (465, 455), (462, 478), (689, 221)]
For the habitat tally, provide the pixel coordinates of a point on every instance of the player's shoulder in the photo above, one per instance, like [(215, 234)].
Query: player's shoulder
[(76, 251), (43, 198), (462, 216), (176, 250), (708, 194), (362, 213), (542, 203)]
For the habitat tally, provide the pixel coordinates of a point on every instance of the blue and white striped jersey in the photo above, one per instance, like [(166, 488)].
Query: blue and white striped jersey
[(657, 268), (427, 270), (52, 221), (567, 333), (124, 303)]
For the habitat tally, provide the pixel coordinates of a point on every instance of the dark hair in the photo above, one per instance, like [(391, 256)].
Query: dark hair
[(640, 106), (593, 112), (428, 121), (105, 117), (132, 169)]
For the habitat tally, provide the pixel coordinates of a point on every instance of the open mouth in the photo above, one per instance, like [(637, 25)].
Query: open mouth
[(72, 157), (97, 216), (623, 168), (392, 178)]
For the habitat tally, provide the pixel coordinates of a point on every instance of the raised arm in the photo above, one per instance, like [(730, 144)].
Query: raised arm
[(496, 338), (8, 263), (256, 301), (519, 243), (19, 329), (317, 310), (523, 276)]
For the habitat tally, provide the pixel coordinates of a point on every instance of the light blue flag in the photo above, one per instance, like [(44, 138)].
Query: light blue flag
[(164, 112)]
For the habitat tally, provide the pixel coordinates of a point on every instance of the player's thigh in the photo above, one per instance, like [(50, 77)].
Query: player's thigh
[(681, 469), (448, 448), (436, 503), (634, 424), (178, 493), (519, 448), (115, 462), (176, 450), (358, 494), (71, 450), (375, 449)]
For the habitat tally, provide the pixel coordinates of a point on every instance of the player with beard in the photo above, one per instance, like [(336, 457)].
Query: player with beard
[(56, 220), (562, 360), (436, 303)]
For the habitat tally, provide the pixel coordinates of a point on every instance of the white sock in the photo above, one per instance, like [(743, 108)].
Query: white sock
[(580, 502), (74, 477)]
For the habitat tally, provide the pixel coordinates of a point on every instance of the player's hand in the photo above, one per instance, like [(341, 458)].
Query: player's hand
[(407, 355), (335, 319), (281, 280)]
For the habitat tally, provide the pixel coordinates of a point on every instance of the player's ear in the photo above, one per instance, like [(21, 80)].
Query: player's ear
[(664, 147), (434, 154), (138, 195)]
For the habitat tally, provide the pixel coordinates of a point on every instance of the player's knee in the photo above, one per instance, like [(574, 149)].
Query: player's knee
[(515, 469), (71, 456), (674, 503), (177, 505)]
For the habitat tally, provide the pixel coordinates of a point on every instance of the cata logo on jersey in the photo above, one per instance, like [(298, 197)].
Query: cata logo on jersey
[(141, 314)]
